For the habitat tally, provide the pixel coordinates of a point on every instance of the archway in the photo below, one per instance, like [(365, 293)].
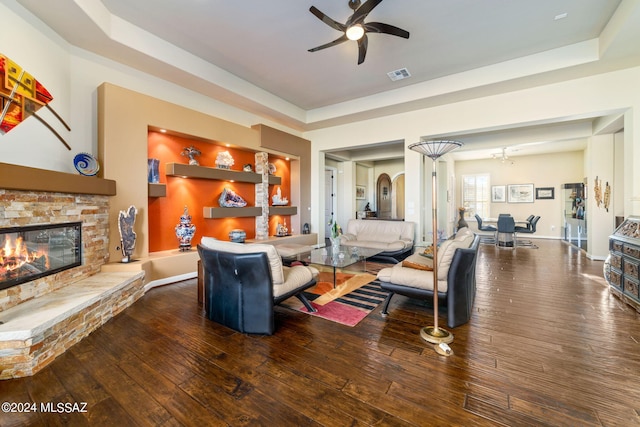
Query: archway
[(384, 197)]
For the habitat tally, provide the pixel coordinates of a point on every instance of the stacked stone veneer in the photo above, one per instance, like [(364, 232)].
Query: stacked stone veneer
[(262, 196), (96, 297), (20, 208)]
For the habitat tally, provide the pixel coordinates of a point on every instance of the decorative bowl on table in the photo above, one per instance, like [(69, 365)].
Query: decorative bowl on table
[(237, 235)]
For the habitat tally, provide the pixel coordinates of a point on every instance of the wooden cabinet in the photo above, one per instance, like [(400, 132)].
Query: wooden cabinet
[(622, 269)]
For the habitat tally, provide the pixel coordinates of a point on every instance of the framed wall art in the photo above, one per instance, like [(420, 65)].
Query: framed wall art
[(520, 193), (361, 191), (545, 193), (498, 193)]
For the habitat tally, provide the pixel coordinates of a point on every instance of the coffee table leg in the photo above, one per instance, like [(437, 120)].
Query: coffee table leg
[(334, 277)]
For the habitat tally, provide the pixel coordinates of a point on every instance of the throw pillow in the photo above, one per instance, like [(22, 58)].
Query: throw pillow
[(416, 266)]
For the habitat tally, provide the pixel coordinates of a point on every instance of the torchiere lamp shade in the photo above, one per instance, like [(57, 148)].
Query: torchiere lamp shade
[(435, 148)]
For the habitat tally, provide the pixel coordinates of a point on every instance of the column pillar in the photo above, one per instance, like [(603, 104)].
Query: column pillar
[(262, 196)]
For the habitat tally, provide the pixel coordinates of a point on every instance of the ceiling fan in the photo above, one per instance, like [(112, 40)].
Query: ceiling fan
[(355, 28)]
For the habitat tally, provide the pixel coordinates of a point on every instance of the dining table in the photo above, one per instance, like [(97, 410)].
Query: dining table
[(521, 222), (506, 239)]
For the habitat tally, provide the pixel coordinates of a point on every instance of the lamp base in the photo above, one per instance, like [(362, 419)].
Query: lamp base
[(436, 336)]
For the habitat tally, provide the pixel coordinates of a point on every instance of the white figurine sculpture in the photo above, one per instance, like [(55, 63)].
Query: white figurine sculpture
[(278, 200)]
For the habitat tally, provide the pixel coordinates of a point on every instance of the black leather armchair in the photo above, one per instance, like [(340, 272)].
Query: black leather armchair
[(239, 289)]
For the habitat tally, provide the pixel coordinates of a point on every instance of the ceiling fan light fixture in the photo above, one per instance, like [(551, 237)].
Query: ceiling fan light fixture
[(355, 28), (355, 32)]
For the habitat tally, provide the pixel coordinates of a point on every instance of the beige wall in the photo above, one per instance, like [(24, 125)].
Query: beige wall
[(390, 167), (550, 170), (600, 221)]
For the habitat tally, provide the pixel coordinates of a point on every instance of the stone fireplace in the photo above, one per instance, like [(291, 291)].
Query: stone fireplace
[(47, 312)]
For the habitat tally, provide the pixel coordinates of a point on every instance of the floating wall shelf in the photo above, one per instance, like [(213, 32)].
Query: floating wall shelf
[(283, 210), (204, 172), (157, 190), (217, 213)]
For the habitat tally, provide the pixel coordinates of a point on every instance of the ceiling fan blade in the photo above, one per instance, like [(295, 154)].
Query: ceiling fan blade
[(362, 48), (333, 43), (324, 18), (362, 12), (379, 27)]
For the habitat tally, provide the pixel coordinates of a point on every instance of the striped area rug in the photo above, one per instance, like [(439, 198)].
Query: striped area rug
[(347, 304)]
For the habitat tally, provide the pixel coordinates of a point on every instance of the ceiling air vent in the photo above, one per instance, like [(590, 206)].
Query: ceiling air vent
[(400, 74)]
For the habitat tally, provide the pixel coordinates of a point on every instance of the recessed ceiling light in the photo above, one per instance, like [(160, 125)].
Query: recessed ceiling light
[(400, 74), (560, 16)]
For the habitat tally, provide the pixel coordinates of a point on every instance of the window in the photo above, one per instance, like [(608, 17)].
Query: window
[(475, 195)]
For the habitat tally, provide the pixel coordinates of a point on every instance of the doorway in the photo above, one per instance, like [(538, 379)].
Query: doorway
[(384, 196), (398, 197), (329, 198)]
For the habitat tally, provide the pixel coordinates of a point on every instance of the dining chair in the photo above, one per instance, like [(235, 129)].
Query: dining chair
[(530, 228), (487, 233), (506, 234), (485, 227)]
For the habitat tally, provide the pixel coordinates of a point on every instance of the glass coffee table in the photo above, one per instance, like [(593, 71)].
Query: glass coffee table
[(333, 256)]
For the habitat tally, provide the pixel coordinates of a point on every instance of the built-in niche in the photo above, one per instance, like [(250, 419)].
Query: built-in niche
[(200, 193)]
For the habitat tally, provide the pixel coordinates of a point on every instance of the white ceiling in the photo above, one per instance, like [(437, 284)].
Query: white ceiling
[(253, 53)]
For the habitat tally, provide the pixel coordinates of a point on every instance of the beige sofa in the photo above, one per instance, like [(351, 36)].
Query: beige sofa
[(394, 238), (456, 277)]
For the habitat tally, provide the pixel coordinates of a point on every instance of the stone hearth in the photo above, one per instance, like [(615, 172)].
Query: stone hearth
[(35, 332)]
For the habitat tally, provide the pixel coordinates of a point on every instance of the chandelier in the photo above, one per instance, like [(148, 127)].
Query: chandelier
[(503, 156)]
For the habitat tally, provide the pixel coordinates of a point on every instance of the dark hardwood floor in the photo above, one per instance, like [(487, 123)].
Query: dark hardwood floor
[(547, 345)]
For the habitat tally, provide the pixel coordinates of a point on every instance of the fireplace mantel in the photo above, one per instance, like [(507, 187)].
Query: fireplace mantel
[(14, 177)]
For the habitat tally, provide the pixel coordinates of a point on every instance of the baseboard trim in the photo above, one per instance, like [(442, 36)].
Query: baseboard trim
[(169, 280)]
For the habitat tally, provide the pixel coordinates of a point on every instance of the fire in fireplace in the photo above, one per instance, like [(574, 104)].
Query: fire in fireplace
[(30, 252)]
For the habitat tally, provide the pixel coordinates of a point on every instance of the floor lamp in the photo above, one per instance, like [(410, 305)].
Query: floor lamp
[(434, 149)]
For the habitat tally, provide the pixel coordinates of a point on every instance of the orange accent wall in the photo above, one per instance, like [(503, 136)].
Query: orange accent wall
[(165, 212)]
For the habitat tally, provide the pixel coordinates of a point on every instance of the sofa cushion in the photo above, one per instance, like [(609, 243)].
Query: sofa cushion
[(294, 277), (275, 262), (397, 245), (463, 239), (388, 236), (420, 279), (423, 279), (380, 230)]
